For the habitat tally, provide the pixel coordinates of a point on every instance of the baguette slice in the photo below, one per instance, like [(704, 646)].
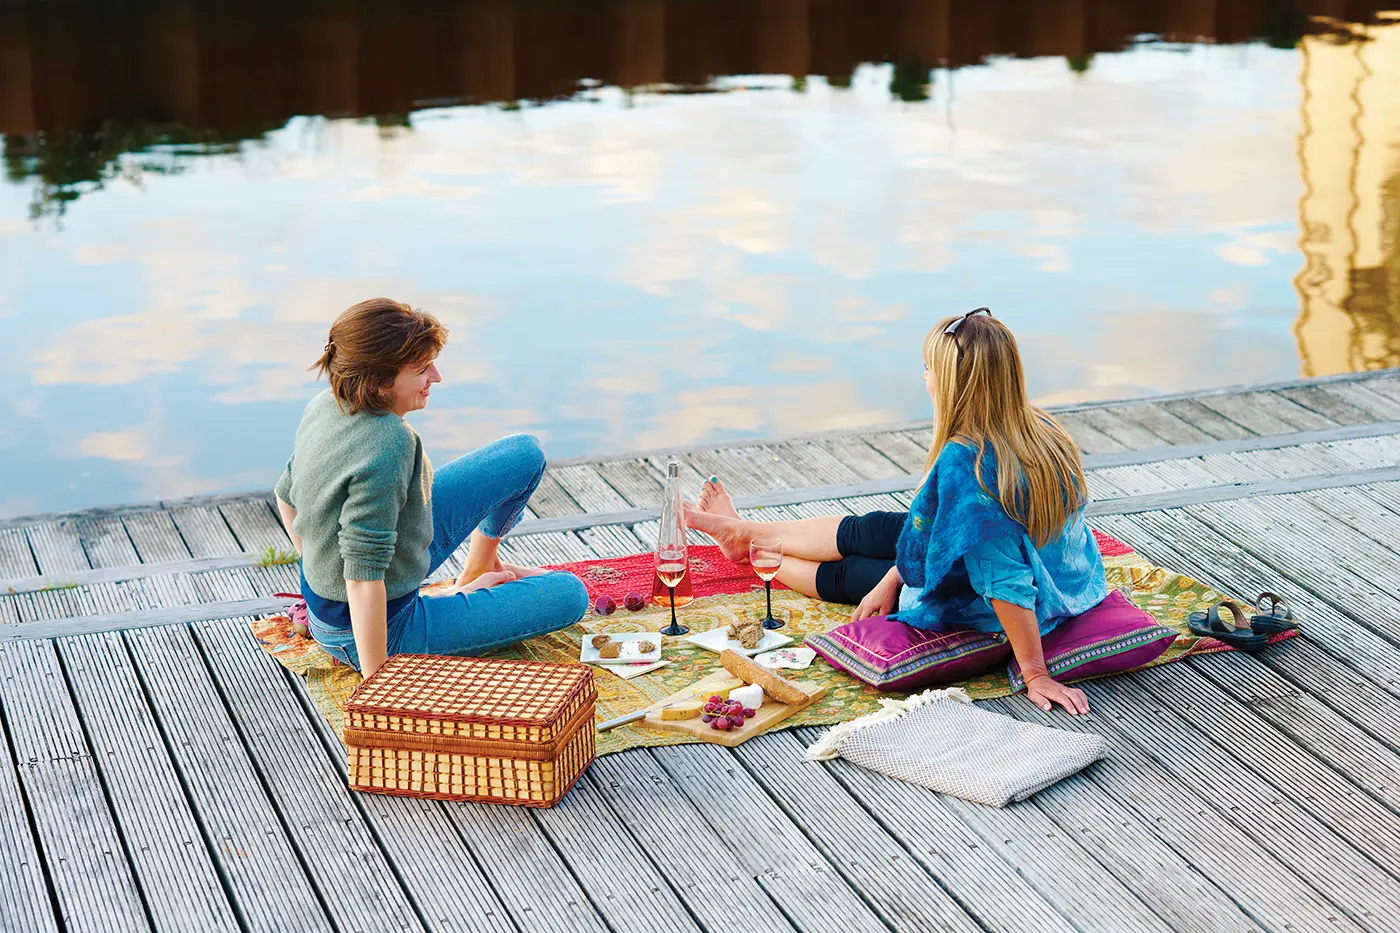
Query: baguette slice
[(751, 672)]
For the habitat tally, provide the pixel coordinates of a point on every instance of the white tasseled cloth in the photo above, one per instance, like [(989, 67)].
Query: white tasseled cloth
[(939, 740)]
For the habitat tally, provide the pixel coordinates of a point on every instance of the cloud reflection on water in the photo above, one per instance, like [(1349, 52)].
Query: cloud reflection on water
[(646, 271)]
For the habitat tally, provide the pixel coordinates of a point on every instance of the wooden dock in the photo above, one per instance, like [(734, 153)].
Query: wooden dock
[(159, 772)]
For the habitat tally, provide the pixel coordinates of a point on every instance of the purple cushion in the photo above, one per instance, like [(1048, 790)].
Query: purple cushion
[(1113, 637), (891, 655)]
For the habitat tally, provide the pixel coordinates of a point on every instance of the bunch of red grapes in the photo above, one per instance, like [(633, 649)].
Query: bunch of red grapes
[(725, 714)]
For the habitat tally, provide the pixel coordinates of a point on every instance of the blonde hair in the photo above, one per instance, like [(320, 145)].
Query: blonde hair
[(980, 398)]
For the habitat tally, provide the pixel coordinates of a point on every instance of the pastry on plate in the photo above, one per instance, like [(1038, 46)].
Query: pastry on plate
[(746, 632)]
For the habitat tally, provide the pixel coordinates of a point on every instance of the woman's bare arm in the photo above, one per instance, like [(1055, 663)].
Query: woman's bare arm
[(1023, 631), (289, 515), (368, 610)]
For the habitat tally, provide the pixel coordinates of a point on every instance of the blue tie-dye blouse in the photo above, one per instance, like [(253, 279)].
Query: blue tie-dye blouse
[(959, 550)]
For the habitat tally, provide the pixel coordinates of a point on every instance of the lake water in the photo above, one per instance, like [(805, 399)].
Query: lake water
[(653, 223)]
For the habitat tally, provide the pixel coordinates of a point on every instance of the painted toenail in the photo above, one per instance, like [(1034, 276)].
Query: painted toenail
[(714, 479)]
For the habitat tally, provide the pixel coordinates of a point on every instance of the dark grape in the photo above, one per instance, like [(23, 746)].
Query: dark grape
[(635, 601), (707, 718), (605, 606), (722, 724), (748, 713)]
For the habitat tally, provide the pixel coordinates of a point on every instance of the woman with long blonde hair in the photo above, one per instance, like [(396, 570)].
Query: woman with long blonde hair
[(995, 539)]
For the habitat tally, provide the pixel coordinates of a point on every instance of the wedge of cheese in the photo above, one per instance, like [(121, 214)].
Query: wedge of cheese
[(686, 709), (720, 689), (751, 696)]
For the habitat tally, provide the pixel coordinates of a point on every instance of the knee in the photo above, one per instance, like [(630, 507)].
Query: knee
[(526, 450), (569, 597)]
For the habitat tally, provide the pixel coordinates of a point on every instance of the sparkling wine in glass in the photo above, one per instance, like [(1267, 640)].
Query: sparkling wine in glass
[(671, 565), (766, 556)]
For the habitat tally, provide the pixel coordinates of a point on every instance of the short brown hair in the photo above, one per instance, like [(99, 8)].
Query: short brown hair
[(369, 343)]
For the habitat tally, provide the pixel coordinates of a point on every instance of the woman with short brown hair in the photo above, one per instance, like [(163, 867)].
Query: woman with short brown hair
[(371, 519)]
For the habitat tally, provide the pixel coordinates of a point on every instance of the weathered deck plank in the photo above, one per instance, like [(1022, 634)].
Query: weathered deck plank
[(84, 856), (1207, 420), (629, 891), (717, 888), (106, 542), (255, 526), (251, 841), (1265, 412), (545, 897), (1370, 763), (1329, 403), (899, 449), (901, 892), (424, 847), (1279, 895), (155, 537), (633, 481), (1198, 550), (169, 852), (1337, 798), (552, 500), (588, 488), (351, 874), (765, 842), (1244, 796), (24, 891), (57, 547), (205, 532)]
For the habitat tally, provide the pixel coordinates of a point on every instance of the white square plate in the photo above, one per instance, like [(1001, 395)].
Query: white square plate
[(717, 640), (628, 640)]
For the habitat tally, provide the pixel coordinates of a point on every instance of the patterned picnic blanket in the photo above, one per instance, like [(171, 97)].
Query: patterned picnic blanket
[(723, 591)]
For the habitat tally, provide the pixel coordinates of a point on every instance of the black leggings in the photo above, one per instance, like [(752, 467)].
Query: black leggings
[(867, 545)]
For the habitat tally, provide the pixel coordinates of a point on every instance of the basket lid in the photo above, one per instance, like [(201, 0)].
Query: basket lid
[(470, 689)]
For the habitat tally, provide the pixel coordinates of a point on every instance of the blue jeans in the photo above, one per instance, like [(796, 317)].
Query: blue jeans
[(485, 489)]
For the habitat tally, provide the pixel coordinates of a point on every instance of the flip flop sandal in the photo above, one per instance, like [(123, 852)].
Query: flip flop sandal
[(297, 613), (1279, 617), (1208, 624)]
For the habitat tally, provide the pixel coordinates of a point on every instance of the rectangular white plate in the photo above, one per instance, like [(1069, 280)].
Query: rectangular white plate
[(716, 640), (628, 671), (628, 640)]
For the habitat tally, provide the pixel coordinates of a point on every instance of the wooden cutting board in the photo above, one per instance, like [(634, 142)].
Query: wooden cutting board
[(767, 715)]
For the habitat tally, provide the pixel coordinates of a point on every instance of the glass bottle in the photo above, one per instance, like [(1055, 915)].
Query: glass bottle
[(672, 531)]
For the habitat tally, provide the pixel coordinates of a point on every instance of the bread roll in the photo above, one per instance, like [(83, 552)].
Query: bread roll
[(751, 672)]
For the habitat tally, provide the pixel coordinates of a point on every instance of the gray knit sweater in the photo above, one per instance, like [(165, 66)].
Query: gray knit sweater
[(362, 487)]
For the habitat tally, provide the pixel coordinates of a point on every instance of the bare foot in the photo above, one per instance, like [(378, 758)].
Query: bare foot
[(471, 571), (728, 532), (523, 572), (714, 498)]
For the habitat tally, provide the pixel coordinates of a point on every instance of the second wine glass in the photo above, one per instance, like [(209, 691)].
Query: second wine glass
[(766, 556), (671, 566)]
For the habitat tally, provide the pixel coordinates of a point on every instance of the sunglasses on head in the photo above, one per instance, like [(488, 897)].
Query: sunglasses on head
[(952, 329)]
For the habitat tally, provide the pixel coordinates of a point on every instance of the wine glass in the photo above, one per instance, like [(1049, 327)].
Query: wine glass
[(766, 556), (671, 565)]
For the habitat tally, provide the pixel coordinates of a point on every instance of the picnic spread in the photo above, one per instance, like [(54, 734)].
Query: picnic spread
[(507, 728)]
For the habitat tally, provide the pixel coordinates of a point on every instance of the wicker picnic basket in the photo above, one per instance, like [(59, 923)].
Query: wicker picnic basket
[(517, 732)]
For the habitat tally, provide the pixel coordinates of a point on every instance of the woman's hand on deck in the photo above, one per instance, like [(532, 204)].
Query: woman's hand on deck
[(1045, 691)]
